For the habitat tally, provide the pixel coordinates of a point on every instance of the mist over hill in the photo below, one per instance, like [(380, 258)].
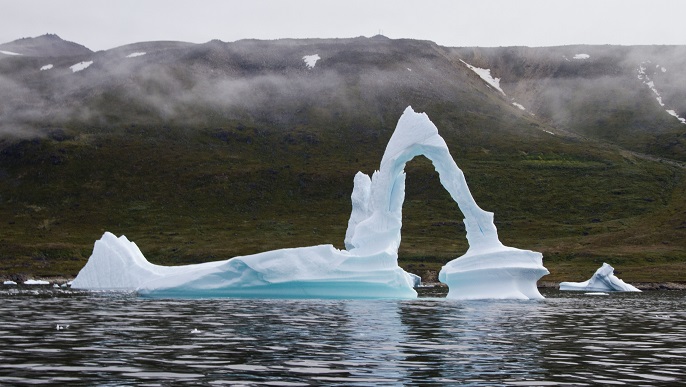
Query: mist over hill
[(632, 96), (206, 151)]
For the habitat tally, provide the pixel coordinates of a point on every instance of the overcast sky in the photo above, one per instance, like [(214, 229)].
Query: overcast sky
[(104, 24)]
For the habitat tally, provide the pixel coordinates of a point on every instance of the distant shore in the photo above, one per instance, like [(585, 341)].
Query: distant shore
[(639, 285), (541, 284)]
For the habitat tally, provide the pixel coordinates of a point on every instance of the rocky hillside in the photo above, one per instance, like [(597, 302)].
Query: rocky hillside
[(633, 96), (206, 151)]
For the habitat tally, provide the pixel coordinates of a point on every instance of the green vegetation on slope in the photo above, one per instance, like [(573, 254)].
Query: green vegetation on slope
[(205, 152), (195, 195)]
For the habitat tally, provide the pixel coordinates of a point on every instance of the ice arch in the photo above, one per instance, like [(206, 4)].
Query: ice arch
[(488, 269), (376, 217)]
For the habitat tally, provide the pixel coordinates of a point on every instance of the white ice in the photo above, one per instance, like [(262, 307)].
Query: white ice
[(36, 282), (8, 53), (135, 54), (46, 67), (80, 66), (308, 272), (9, 283), (603, 280), (485, 74), (581, 56), (368, 268), (311, 60)]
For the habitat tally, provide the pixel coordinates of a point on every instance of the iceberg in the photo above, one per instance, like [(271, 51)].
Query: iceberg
[(488, 269), (603, 280), (307, 272), (367, 268)]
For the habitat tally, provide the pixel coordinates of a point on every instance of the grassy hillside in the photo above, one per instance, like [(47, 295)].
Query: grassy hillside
[(205, 152), (193, 195)]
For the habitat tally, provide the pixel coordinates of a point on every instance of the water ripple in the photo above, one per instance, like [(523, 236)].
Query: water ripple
[(58, 336)]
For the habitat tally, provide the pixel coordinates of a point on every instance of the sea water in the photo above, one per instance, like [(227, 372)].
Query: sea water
[(67, 337)]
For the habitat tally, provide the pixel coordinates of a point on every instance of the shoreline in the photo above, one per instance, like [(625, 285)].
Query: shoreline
[(19, 280)]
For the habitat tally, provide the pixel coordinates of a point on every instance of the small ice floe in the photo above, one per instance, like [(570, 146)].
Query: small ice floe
[(409, 69), (9, 283), (195, 330), (36, 282), (311, 60), (603, 280), (80, 66), (61, 327), (581, 56), (416, 280), (46, 67), (9, 53), (135, 54), (55, 286), (597, 294)]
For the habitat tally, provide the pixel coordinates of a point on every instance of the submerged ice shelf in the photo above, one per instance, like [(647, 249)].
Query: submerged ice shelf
[(367, 268), (603, 280)]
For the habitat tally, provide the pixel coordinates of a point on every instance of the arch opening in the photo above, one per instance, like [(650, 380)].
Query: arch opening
[(433, 232)]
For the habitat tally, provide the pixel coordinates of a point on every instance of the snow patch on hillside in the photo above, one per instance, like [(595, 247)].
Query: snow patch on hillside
[(135, 54), (80, 66), (673, 113), (581, 56), (311, 60), (46, 67), (8, 53), (485, 74), (645, 78)]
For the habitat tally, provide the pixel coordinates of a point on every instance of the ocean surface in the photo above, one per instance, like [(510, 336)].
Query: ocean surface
[(64, 337)]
